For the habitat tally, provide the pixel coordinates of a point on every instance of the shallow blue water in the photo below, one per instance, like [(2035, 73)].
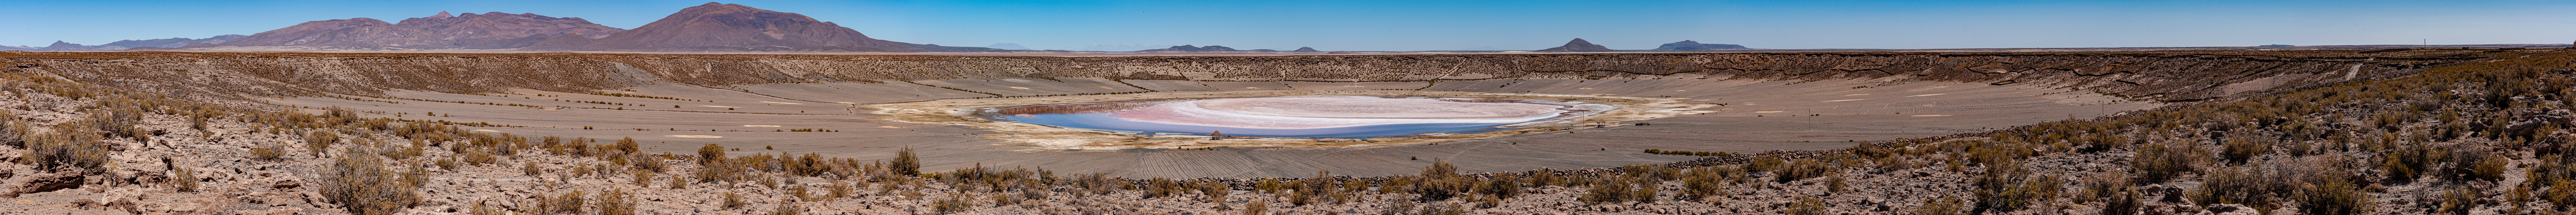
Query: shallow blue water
[(1104, 122)]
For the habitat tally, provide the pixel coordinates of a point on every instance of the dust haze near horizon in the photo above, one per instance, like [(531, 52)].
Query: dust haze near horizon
[(1433, 25)]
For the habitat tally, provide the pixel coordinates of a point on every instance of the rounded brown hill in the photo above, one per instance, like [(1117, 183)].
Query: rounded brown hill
[(494, 30), (732, 27)]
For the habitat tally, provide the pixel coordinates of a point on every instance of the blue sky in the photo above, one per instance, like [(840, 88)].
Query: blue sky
[(1432, 25)]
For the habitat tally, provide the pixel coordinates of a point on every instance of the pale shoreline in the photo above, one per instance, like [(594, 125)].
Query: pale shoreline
[(1199, 113)]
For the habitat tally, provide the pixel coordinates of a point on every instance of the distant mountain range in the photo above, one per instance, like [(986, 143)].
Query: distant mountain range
[(1188, 48), (1687, 45), (711, 27), (1578, 45), (127, 44), (1010, 46), (1114, 47), (717, 27), (494, 30)]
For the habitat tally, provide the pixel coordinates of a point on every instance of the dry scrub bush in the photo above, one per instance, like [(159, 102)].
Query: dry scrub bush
[(361, 184), (2562, 193), (1802, 169), (1440, 181), (643, 178), (1620, 189), (2406, 162), (616, 202), (2123, 201), (2103, 185), (955, 203), (905, 163), (1500, 187), (721, 172), (2470, 162), (1399, 208), (627, 146), (118, 120), (706, 154), (480, 158), (1806, 206), (184, 179), (840, 190), (1257, 208), (785, 209), (1214, 191), (1704, 182), (2009, 186), (1946, 205), (566, 203), (2457, 200), (15, 132), (416, 149), (1160, 187), (69, 147), (319, 141), (2241, 149), (1764, 164), (446, 164), (267, 152), (2102, 141), (482, 209), (734, 200), (1544, 177), (2251, 186), (2334, 195), (2158, 162)]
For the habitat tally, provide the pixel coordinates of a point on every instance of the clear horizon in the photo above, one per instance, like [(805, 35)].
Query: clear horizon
[(1436, 25)]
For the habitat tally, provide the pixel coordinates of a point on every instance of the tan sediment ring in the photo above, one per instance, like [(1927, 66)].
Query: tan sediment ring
[(1609, 111)]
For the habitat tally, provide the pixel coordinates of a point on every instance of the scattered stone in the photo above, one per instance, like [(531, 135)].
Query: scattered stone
[(47, 182)]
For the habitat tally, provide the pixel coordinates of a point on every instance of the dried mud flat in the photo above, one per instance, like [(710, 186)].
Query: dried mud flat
[(961, 112)]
